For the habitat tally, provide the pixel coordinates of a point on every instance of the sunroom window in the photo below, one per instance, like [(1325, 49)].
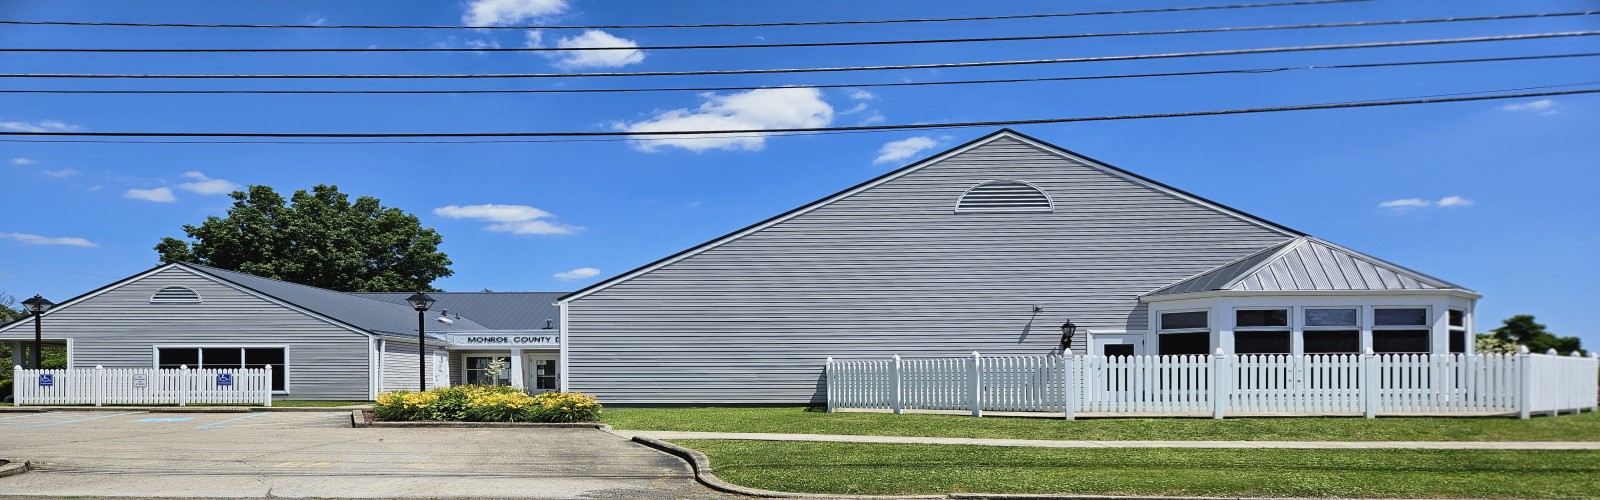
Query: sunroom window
[(1261, 331), (1400, 330), (1332, 330), (1458, 331), (1187, 332)]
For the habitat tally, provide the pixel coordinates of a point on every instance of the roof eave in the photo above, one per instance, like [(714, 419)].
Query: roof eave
[(1452, 292)]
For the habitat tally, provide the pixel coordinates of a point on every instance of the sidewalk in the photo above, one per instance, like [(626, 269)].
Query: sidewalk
[(1040, 443)]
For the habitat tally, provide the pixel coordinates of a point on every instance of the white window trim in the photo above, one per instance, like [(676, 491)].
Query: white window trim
[(1288, 325), (1307, 326), (1468, 339), (1047, 199), (1159, 322), (1427, 315), (197, 298), (155, 357)]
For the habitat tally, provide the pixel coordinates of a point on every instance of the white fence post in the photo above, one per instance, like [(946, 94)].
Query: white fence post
[(16, 385), (1221, 385), (828, 376), (267, 399), (1369, 384), (897, 399), (1524, 383), (99, 384), (183, 385), (1068, 378), (975, 386)]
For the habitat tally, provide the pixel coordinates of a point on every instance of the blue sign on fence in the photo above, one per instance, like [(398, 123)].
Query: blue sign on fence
[(47, 380), (224, 379)]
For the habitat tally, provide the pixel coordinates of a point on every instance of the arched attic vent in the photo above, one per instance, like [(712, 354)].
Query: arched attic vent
[(1004, 196), (175, 295)]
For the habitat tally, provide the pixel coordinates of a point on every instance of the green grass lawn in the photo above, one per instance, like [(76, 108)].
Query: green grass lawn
[(1581, 427), (850, 468)]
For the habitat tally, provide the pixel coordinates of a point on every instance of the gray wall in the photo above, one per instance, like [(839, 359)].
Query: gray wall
[(892, 270), (117, 329), (400, 366)]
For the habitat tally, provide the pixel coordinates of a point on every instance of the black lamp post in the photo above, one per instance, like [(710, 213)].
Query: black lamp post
[(1067, 330), (421, 302), (38, 305)]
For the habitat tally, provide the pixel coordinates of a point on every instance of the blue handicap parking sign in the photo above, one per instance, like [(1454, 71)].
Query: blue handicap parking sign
[(47, 380), (224, 379)]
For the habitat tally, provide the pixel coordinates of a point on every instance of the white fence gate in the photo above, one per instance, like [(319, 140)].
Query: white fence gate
[(143, 386), (1219, 385)]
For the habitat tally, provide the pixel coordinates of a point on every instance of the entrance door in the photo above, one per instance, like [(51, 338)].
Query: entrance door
[(543, 372), (1117, 345)]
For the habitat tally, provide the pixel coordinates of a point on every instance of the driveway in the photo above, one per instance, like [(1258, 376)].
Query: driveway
[(317, 454)]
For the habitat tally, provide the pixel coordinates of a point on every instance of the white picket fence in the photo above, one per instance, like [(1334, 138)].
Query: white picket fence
[(1221, 385), (143, 386)]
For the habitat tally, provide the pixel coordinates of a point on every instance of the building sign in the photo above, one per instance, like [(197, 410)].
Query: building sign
[(224, 379), (141, 380), (505, 340), (47, 380)]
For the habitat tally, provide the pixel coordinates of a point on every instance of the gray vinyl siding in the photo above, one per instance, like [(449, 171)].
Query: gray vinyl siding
[(400, 366), (893, 270), (117, 328)]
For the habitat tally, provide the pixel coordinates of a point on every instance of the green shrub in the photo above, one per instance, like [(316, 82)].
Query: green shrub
[(566, 407), (5, 388)]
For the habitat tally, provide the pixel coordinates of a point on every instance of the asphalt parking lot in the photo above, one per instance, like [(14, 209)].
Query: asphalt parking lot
[(318, 454)]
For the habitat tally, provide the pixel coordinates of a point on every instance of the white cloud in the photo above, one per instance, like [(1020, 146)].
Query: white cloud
[(1454, 201), (862, 95), (60, 174), (574, 59), (859, 107), (577, 274), (758, 109), (206, 185), (1406, 203), (904, 148), (514, 219), (40, 126), (500, 12), (1542, 107), (22, 161), (535, 38), (873, 119), (34, 239), (158, 195)]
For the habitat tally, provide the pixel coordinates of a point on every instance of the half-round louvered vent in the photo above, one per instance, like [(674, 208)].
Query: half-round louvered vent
[(175, 295), (1004, 196)]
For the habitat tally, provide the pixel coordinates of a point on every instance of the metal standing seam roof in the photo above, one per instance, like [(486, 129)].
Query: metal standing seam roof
[(1306, 264), (376, 316), (494, 310)]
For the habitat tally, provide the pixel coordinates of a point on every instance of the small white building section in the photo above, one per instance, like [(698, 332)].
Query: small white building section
[(1304, 296)]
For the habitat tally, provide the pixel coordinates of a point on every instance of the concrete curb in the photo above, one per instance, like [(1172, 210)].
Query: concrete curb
[(358, 419), (181, 409), (13, 468)]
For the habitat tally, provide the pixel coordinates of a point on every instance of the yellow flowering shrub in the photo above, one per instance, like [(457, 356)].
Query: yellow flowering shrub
[(477, 403)]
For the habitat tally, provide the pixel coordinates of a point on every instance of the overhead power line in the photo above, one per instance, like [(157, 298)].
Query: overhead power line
[(719, 133), (1246, 71), (925, 41), (1134, 57), (703, 25)]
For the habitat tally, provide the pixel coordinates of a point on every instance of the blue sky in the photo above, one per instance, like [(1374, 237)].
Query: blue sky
[(1496, 195)]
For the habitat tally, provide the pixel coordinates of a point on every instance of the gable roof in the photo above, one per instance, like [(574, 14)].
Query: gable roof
[(1306, 264), (494, 310), (999, 134), (375, 316)]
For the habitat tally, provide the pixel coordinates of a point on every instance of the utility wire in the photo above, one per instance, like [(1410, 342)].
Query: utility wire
[(1135, 57), (706, 25), (1189, 31), (720, 133), (716, 136), (1248, 71)]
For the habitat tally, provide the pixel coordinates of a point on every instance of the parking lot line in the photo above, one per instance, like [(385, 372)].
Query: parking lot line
[(220, 422), (64, 422)]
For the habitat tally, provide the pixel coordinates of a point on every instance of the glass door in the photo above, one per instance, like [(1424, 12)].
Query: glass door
[(544, 374), (488, 370)]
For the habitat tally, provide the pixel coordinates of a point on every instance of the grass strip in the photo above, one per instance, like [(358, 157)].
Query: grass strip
[(1581, 427), (880, 469)]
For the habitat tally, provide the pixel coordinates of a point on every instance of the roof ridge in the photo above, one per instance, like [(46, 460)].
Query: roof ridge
[(1219, 267), (1285, 248), (1415, 273)]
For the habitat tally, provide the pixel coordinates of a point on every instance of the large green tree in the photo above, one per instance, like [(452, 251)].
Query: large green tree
[(1523, 330), (318, 238)]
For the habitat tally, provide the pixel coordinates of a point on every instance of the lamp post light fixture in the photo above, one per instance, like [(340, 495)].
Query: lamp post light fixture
[(421, 302), (1067, 331), (38, 305)]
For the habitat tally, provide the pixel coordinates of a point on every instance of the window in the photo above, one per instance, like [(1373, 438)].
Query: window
[(175, 295), (1332, 330), (1004, 196), (1186, 332), (213, 358), (1400, 330), (1458, 331), (1261, 331), (479, 371)]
